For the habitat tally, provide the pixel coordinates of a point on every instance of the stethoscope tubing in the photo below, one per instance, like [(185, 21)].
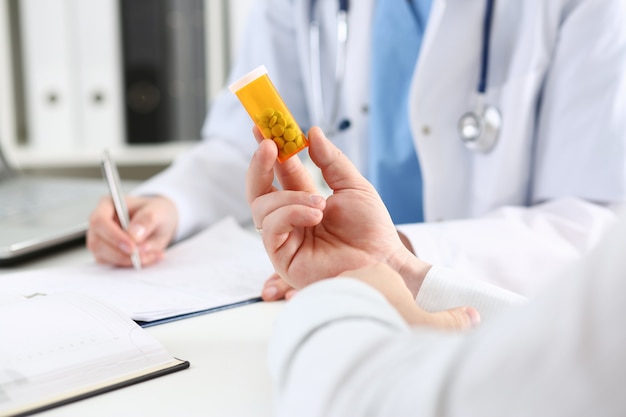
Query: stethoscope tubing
[(328, 123), (484, 55), (319, 114)]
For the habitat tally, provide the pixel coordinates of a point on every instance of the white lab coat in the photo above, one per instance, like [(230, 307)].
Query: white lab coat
[(561, 354), (557, 73)]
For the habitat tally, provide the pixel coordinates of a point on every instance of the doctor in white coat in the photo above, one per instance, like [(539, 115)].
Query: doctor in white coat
[(543, 194)]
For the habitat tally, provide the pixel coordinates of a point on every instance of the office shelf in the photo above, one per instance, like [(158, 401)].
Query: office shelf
[(223, 21)]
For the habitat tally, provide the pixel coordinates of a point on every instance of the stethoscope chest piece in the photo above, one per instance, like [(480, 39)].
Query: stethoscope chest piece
[(479, 130)]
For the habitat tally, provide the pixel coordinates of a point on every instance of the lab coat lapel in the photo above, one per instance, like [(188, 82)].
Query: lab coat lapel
[(355, 104), (445, 77), (302, 16)]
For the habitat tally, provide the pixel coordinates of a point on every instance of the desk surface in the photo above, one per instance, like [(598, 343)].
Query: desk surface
[(228, 355)]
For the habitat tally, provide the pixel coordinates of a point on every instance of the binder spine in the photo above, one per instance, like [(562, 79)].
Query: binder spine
[(163, 46), (144, 62), (100, 76)]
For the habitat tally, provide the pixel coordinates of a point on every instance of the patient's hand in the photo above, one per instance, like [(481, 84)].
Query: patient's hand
[(276, 288), (308, 237)]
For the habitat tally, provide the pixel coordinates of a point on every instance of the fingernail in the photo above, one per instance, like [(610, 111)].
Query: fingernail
[(137, 231), (270, 292), (316, 199), (145, 247), (473, 316), (124, 248)]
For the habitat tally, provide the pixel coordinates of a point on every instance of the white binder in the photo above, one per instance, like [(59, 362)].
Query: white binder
[(99, 60), (49, 71), (72, 74)]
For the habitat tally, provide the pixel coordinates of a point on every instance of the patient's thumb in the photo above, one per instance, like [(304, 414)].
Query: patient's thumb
[(336, 168)]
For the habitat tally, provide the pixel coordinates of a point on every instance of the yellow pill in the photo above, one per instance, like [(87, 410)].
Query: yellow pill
[(290, 134), (299, 141), (268, 112), (273, 121), (290, 148), (277, 130)]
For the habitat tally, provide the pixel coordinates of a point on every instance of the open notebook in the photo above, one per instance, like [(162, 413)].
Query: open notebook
[(41, 213), (66, 347)]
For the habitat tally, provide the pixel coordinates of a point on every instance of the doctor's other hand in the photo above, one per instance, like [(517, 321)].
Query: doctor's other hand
[(308, 237), (153, 223)]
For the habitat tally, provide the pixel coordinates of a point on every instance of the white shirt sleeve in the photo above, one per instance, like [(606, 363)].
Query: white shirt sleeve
[(206, 184), (340, 349), (551, 236), (443, 289)]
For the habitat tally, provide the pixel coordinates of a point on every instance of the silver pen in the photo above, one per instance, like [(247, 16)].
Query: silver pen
[(112, 177)]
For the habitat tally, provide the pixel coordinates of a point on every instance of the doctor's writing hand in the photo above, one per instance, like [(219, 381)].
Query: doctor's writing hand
[(153, 222), (309, 238)]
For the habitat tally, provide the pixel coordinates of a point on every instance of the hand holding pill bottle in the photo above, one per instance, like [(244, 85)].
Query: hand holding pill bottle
[(269, 112)]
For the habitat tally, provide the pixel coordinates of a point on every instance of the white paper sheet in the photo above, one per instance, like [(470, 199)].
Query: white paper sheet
[(220, 266)]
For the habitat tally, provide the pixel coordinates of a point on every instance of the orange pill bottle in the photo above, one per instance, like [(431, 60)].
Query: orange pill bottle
[(269, 112)]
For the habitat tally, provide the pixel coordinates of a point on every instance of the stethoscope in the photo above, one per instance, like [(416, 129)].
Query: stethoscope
[(328, 121), (478, 129)]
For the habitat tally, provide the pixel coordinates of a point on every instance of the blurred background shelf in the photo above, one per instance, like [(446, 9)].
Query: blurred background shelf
[(134, 76), (134, 161)]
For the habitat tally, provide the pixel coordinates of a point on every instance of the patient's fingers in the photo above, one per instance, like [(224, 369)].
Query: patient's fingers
[(283, 229), (275, 288), (260, 174), (264, 205), (291, 174)]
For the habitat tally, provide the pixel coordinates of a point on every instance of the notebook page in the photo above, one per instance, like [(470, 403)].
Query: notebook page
[(65, 343)]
